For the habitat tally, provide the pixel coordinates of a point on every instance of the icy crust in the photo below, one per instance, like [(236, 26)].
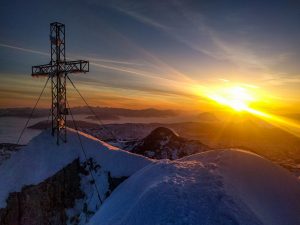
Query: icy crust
[(216, 187), (42, 158)]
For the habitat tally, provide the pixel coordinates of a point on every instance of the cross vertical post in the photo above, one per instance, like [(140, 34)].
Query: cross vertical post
[(58, 80), (57, 70)]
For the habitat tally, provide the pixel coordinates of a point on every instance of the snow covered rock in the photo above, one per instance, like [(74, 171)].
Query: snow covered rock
[(215, 187), (46, 202), (41, 159), (7, 149), (163, 143)]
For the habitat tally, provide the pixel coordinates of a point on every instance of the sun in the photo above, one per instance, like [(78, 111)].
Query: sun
[(247, 98), (237, 97)]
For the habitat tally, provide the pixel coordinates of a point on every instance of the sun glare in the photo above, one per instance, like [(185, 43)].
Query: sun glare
[(238, 98)]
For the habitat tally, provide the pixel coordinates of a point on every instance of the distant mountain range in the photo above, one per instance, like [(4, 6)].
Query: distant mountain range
[(105, 113), (247, 132), (207, 116), (252, 134), (294, 116), (79, 123), (267, 141)]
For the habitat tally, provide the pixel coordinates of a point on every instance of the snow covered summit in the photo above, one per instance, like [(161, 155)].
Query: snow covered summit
[(42, 158), (227, 187), (48, 184)]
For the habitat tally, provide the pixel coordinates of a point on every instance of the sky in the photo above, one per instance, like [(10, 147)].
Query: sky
[(163, 54)]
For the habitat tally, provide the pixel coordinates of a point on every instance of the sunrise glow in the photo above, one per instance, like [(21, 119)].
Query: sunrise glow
[(238, 98)]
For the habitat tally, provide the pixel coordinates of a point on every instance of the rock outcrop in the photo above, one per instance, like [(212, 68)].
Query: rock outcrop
[(44, 203), (163, 143), (48, 202), (7, 149)]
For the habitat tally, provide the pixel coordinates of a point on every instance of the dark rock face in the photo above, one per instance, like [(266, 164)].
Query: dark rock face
[(46, 202), (163, 143), (7, 149), (113, 182), (207, 117)]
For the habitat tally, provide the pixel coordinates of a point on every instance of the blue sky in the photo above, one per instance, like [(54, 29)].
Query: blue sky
[(154, 53)]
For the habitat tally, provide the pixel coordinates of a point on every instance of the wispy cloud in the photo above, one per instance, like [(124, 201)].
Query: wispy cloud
[(242, 54), (167, 87), (24, 49), (143, 19)]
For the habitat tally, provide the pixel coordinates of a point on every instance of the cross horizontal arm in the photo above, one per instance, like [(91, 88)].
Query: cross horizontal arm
[(78, 66)]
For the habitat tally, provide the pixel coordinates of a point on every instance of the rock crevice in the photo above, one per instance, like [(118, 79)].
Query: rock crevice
[(44, 203)]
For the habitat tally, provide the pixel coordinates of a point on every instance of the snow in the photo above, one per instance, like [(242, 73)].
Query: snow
[(270, 191), (215, 187), (225, 186), (42, 158)]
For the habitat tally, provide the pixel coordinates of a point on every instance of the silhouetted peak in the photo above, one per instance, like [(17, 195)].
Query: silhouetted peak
[(161, 132)]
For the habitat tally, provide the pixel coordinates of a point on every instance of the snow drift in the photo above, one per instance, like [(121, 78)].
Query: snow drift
[(215, 187), (42, 158)]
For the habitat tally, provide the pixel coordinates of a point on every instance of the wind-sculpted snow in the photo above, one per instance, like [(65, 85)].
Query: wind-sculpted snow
[(42, 158), (216, 187), (271, 192)]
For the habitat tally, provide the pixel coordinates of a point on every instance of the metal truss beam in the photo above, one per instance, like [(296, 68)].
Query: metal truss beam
[(57, 70)]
